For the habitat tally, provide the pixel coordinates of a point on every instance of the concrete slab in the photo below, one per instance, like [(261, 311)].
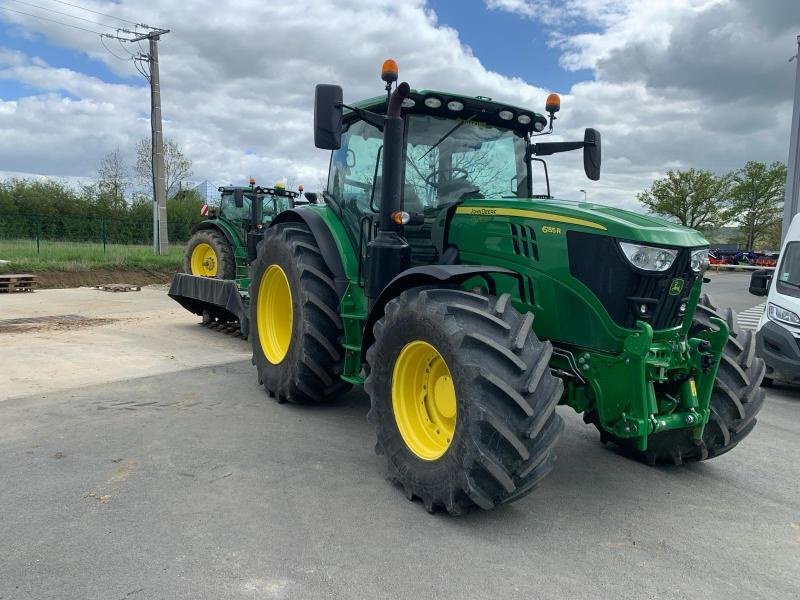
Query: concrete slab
[(191, 483), (195, 485), (124, 335)]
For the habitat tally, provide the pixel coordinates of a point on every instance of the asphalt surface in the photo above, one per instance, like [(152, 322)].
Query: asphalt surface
[(193, 484)]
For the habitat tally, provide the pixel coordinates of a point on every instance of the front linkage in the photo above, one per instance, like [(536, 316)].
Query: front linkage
[(651, 387)]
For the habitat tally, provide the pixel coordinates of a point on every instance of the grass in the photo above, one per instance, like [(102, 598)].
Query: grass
[(22, 255)]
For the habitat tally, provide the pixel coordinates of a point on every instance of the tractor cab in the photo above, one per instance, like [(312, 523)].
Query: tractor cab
[(456, 148)]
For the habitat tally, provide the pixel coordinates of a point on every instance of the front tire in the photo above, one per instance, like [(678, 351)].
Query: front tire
[(295, 328), (462, 398)]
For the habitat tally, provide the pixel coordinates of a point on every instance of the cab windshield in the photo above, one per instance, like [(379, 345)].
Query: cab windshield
[(448, 160), (270, 206)]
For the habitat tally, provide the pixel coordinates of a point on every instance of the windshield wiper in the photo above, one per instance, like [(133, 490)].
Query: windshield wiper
[(448, 134)]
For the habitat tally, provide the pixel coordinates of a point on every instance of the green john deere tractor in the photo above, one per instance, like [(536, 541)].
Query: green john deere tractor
[(218, 245), (469, 307)]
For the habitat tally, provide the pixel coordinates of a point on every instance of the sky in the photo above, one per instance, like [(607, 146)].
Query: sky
[(669, 84)]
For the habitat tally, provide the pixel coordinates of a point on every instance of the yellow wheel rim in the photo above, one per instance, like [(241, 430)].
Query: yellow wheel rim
[(274, 314), (204, 261), (424, 400)]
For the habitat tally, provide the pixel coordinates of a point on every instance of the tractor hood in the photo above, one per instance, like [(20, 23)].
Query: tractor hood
[(601, 219)]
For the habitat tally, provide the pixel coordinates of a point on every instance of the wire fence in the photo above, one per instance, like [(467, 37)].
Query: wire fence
[(37, 234)]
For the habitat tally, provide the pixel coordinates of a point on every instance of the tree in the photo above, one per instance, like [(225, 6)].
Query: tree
[(113, 178), (757, 195), (176, 166), (696, 198)]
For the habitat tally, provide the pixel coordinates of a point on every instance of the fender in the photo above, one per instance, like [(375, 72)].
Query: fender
[(219, 227), (324, 237), (426, 275)]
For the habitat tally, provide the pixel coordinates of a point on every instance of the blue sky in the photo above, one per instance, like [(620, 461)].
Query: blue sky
[(37, 45), (509, 44)]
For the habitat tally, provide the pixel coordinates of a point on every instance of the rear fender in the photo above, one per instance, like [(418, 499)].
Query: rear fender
[(324, 237), (216, 225)]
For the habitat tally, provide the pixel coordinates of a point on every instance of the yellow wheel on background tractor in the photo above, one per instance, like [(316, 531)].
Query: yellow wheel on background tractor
[(424, 400), (209, 254), (204, 261), (274, 308)]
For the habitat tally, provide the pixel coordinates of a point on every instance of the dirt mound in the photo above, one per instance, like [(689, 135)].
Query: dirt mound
[(71, 279)]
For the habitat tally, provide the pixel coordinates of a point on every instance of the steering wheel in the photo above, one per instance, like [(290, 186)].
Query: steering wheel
[(429, 178)]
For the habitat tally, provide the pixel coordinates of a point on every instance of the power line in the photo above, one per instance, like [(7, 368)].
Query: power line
[(63, 14), (19, 12), (102, 41), (124, 49), (102, 14)]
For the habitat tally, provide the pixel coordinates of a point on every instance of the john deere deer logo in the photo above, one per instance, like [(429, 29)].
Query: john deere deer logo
[(676, 287)]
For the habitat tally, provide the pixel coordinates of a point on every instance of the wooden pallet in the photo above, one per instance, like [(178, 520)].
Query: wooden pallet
[(17, 282), (118, 287)]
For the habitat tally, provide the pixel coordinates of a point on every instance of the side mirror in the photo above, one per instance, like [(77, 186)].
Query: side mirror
[(759, 282), (328, 116), (311, 197), (591, 153), (238, 198)]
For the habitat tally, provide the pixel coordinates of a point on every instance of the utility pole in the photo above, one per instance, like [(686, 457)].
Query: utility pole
[(160, 241), (791, 204)]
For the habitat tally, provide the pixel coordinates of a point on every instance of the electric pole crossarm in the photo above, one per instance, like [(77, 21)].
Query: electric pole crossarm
[(139, 36)]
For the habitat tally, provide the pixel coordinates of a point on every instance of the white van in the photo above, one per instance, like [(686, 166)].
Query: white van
[(778, 331)]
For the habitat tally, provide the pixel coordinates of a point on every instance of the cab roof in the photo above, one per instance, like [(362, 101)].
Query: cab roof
[(479, 107)]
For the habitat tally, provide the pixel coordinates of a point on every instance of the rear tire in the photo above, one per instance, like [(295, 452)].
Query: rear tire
[(735, 399), (505, 425), (309, 370), (224, 258)]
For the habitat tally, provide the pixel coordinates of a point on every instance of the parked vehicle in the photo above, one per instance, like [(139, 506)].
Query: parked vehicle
[(218, 246), (778, 331)]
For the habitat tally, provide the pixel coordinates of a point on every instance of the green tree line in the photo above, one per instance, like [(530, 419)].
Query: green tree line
[(51, 209), (749, 199), (102, 210)]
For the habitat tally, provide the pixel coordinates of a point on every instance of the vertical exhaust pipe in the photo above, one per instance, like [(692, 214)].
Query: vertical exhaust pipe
[(389, 254)]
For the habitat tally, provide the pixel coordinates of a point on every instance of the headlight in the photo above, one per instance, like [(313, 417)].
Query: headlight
[(699, 260), (776, 313), (648, 258)]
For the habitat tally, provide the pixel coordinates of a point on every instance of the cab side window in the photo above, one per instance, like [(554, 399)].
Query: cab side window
[(353, 173)]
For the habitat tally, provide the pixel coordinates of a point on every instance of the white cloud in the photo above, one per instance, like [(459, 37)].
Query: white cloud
[(238, 81)]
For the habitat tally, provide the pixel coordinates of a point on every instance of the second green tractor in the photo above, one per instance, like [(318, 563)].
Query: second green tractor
[(218, 246), (438, 272)]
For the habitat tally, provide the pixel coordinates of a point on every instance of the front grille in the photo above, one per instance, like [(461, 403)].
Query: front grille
[(598, 262), (523, 239)]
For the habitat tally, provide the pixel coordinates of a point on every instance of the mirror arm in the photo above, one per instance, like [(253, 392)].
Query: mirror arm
[(372, 118), (547, 148)]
